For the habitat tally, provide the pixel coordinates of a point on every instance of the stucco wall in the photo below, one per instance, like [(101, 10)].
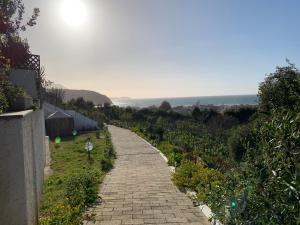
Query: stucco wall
[(22, 158), (25, 79)]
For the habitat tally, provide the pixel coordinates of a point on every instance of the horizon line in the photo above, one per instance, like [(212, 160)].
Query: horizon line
[(183, 96)]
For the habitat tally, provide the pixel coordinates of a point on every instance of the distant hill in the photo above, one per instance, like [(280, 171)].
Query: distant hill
[(95, 97)]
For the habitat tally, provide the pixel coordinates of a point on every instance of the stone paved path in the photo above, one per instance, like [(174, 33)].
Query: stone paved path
[(139, 189)]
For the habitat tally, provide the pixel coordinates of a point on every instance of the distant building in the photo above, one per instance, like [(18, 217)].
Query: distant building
[(59, 124), (81, 122), (58, 118)]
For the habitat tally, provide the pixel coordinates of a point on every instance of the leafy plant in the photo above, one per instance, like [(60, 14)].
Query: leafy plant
[(197, 177), (81, 189), (280, 89)]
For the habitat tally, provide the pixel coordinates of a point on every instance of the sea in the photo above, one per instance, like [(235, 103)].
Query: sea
[(189, 101)]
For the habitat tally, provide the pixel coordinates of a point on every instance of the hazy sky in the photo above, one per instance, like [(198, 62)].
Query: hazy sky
[(166, 48)]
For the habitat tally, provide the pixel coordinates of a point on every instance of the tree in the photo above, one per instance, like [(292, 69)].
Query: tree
[(55, 96), (165, 106), (14, 50), (243, 113), (80, 104), (280, 89), (196, 113)]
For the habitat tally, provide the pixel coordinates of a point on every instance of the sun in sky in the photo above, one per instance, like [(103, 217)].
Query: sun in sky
[(74, 12)]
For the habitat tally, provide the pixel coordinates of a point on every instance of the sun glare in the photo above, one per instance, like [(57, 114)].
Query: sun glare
[(74, 12)]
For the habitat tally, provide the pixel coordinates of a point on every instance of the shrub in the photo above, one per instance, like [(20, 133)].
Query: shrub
[(183, 177), (197, 177), (176, 157), (62, 213), (81, 189), (165, 106), (243, 114), (240, 140), (8, 94), (266, 187), (106, 164), (281, 89)]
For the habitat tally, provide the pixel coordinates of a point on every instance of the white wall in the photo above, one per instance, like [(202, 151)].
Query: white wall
[(22, 159)]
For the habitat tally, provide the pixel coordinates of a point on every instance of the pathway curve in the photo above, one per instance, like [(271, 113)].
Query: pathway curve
[(139, 189)]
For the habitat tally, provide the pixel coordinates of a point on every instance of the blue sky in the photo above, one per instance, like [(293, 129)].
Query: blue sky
[(167, 48)]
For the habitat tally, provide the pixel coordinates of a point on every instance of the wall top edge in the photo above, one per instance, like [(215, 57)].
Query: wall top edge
[(14, 115)]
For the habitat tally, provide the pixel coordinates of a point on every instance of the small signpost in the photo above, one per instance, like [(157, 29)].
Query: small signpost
[(89, 147)]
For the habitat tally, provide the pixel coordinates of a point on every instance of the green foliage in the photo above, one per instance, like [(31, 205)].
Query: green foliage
[(106, 165), (173, 153), (165, 106), (54, 96), (239, 141), (81, 189), (11, 19), (196, 113), (75, 180), (197, 177), (80, 103), (281, 89), (8, 95), (243, 114), (267, 188), (13, 49), (184, 176)]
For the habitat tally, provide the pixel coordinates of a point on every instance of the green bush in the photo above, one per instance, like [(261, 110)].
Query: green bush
[(197, 177), (176, 157), (62, 213), (266, 187), (239, 141), (280, 89), (106, 164), (243, 114), (173, 153), (81, 189), (8, 95)]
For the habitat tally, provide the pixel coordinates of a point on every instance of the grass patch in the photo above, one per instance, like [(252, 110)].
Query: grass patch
[(74, 183)]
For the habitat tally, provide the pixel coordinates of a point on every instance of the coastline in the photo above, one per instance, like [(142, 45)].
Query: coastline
[(201, 101)]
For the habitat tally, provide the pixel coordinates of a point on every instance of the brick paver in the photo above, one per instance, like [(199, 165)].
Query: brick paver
[(139, 189)]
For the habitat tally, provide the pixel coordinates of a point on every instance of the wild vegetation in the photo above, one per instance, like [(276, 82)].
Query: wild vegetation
[(244, 163), (73, 186)]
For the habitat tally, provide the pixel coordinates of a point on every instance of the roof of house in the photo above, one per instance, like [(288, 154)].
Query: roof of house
[(58, 114)]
